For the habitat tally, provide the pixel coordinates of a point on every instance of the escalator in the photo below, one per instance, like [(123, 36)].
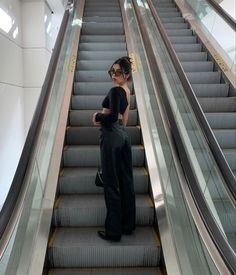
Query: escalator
[(215, 94), (79, 210), (56, 230), (216, 97)]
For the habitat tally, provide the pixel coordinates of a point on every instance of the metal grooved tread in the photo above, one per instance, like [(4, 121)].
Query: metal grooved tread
[(79, 211), (218, 102)]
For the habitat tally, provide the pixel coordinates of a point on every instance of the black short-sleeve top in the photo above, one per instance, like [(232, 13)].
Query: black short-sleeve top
[(116, 101)]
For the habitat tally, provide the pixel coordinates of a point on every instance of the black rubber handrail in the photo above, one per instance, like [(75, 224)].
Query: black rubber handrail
[(229, 19), (223, 165), (222, 245), (18, 180)]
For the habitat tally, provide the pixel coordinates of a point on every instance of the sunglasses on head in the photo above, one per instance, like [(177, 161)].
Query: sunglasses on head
[(117, 72)]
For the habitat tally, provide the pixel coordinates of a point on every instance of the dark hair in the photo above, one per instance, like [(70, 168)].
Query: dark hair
[(125, 64)]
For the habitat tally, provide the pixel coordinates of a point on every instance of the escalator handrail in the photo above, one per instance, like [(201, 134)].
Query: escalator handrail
[(223, 165), (18, 180), (219, 240), (228, 18)]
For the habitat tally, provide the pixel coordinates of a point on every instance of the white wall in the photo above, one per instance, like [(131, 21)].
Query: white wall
[(25, 51)]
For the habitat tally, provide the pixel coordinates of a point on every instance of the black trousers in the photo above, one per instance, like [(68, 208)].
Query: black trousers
[(117, 171)]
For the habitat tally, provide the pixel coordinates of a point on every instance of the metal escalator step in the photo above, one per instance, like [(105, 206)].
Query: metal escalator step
[(100, 19), (100, 3), (197, 56), (92, 76), (101, 8), (166, 9), (166, 4), (187, 48), (179, 32), (169, 14), (89, 155), (218, 104), (93, 102), (91, 65), (102, 38), (107, 271), (183, 39), (102, 27), (172, 20), (211, 90), (92, 88), (102, 13), (230, 157), (222, 120), (100, 55), (204, 77), (226, 212), (226, 138), (81, 180), (90, 135), (108, 46), (92, 210), (81, 247), (84, 117), (173, 26), (199, 66)]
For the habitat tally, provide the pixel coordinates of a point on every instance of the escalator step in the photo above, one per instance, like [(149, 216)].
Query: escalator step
[(101, 19), (101, 55), (93, 88), (102, 38), (108, 46), (90, 135), (218, 104), (169, 14), (81, 180), (93, 102), (84, 117), (89, 155), (107, 271), (98, 65), (92, 210), (208, 90), (173, 26), (187, 48), (81, 247), (172, 20), (204, 77), (92, 76), (183, 39), (222, 120), (197, 56), (102, 14), (199, 66)]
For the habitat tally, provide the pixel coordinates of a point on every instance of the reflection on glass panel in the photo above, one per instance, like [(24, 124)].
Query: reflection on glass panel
[(228, 6), (217, 30)]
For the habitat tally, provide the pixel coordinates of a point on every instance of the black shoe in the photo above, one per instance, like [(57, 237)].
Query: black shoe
[(102, 234)]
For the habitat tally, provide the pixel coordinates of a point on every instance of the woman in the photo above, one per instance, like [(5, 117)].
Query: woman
[(116, 158)]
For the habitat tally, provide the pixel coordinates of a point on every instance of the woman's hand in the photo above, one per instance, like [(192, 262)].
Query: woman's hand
[(94, 120)]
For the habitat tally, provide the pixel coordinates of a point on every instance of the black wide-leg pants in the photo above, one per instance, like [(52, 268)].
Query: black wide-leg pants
[(117, 171)]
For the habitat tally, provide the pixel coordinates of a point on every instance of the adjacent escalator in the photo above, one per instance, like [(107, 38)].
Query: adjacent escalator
[(79, 211), (216, 97)]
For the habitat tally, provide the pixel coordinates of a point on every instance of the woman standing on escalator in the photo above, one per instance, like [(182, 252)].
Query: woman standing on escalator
[(116, 157)]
